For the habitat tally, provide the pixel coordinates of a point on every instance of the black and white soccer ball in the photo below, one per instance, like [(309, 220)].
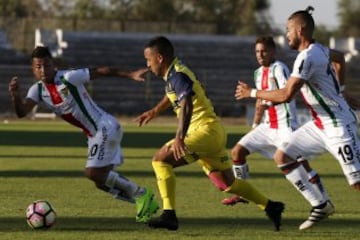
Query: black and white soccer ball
[(40, 214)]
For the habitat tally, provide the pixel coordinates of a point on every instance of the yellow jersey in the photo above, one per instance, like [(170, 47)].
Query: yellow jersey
[(180, 82)]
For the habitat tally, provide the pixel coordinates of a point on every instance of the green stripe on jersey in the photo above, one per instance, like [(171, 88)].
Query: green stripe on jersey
[(40, 90), (323, 104), (73, 90), (286, 105)]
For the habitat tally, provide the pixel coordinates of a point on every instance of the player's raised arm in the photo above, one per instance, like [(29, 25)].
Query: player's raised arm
[(22, 106), (137, 75)]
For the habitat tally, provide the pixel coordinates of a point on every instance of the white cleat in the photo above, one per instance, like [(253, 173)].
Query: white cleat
[(318, 214)]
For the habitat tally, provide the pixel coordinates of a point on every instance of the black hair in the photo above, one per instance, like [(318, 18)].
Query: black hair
[(305, 16), (163, 46), (268, 41), (41, 52)]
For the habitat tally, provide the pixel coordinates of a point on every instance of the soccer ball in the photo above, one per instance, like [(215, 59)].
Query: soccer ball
[(40, 215)]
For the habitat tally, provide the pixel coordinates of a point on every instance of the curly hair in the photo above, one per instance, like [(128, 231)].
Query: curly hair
[(41, 52)]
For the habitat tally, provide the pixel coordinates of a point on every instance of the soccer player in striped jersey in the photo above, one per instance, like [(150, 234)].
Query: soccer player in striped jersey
[(64, 92), (273, 123), (200, 137), (334, 125)]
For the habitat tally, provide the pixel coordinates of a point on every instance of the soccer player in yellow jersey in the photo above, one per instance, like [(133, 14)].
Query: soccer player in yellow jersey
[(200, 137)]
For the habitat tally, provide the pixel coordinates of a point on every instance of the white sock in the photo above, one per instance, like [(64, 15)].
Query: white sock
[(122, 188), (299, 179), (318, 184)]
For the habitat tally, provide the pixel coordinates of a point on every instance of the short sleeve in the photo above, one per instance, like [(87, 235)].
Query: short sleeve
[(303, 67), (183, 86), (78, 76), (281, 74), (33, 93)]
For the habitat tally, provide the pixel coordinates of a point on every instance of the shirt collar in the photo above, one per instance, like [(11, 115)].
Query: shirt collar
[(168, 72)]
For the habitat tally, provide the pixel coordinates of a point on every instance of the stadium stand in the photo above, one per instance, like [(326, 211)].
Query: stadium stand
[(51, 39), (11, 61), (218, 61), (350, 46), (9, 56), (7, 72)]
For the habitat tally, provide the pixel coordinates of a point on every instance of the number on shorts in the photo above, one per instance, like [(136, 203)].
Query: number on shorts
[(93, 150), (346, 153)]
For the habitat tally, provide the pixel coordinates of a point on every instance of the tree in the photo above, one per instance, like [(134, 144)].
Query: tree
[(230, 16), (88, 9), (349, 11), (15, 8), (158, 10), (322, 34), (119, 9), (57, 8)]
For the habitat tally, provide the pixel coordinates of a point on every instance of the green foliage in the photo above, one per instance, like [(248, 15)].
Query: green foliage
[(243, 17), (154, 10), (230, 16), (119, 9), (322, 34), (87, 9), (31, 170), (349, 11), (18, 8)]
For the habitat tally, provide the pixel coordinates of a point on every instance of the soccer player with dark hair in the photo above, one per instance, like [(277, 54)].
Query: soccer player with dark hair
[(64, 92), (334, 125), (200, 137), (273, 123)]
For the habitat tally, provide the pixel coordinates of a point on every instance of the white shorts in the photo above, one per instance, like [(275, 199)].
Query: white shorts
[(265, 140), (104, 148), (342, 142)]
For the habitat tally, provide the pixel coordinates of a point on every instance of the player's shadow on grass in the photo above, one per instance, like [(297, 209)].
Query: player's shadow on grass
[(77, 139), (71, 157), (133, 173), (63, 173), (128, 224), (288, 224)]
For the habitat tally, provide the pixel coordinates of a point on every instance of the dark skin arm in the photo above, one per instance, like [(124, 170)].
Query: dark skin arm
[(145, 117), (352, 101), (137, 75), (22, 106), (338, 61), (186, 109)]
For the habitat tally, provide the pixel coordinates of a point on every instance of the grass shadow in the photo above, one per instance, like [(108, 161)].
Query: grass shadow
[(130, 173), (77, 139), (128, 224)]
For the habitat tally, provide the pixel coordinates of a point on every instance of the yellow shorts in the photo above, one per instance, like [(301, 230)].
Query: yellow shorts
[(207, 145)]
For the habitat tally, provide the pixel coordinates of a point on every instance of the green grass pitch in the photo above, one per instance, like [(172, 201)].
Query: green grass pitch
[(45, 160)]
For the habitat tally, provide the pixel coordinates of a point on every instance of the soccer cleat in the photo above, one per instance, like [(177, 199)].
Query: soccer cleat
[(166, 220), (146, 206), (234, 200), (273, 211), (317, 214)]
